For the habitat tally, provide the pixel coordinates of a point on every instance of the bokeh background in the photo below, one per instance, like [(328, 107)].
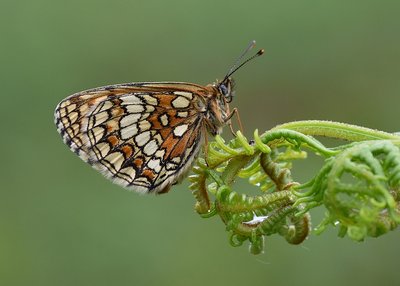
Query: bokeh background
[(61, 223)]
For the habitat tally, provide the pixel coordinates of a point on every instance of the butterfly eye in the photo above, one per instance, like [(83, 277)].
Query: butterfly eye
[(227, 89), (223, 89)]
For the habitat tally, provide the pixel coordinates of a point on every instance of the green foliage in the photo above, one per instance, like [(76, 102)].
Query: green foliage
[(359, 183)]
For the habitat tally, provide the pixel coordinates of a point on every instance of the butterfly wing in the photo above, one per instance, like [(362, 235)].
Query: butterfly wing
[(143, 136)]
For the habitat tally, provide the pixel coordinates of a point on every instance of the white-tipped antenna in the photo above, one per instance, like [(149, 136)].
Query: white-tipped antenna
[(235, 66)]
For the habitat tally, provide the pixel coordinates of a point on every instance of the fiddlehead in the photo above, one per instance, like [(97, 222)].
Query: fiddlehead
[(358, 184)]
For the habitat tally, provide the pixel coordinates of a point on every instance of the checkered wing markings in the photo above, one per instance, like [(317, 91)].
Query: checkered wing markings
[(133, 138), (180, 157), (69, 115), (71, 112)]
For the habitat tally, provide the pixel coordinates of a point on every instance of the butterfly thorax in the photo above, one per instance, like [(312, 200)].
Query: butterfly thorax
[(215, 109)]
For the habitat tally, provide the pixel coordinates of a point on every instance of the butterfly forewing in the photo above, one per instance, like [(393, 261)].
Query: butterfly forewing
[(144, 136)]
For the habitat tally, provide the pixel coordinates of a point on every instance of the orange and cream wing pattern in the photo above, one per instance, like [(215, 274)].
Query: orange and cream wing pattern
[(143, 136)]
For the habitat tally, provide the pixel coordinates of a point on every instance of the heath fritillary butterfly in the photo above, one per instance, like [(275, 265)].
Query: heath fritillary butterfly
[(144, 136)]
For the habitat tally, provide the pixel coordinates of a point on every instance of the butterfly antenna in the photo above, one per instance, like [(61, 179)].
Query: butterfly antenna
[(235, 66), (251, 45)]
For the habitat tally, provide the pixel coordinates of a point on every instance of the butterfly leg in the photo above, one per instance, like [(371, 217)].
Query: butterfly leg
[(235, 111), (205, 142)]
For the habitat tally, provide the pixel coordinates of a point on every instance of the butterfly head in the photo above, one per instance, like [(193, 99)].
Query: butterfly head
[(227, 88)]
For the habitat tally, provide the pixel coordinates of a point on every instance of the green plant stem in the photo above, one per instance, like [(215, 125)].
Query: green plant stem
[(337, 130)]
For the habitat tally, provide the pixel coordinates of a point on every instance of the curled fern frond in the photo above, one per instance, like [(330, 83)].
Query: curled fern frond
[(361, 189), (359, 183), (253, 217)]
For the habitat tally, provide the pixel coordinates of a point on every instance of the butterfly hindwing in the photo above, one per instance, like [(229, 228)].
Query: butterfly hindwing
[(142, 137)]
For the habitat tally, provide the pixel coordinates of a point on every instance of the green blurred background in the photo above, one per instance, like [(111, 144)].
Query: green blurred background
[(64, 224)]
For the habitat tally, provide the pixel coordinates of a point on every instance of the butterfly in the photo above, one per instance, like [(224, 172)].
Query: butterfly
[(145, 135)]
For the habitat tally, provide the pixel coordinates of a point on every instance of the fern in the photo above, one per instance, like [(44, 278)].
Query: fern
[(358, 184)]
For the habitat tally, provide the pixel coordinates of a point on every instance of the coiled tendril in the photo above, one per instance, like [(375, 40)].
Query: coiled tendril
[(359, 183)]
